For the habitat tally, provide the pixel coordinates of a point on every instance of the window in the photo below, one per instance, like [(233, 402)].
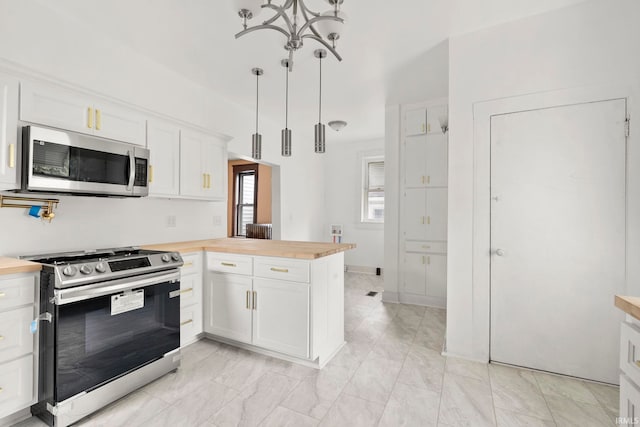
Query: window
[(373, 190), (245, 179)]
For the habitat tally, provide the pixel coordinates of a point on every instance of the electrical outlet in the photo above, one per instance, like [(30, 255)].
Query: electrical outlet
[(171, 221), (217, 220)]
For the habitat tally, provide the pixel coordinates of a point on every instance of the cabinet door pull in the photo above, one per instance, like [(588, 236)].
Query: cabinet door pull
[(255, 300), (184, 291), (428, 220), (428, 260), (422, 220), (150, 173), (426, 247), (204, 180), (1, 337), (423, 128), (208, 181), (423, 259), (187, 264), (228, 264), (638, 363), (12, 156), (98, 119), (247, 300), (90, 118), (2, 294), (186, 322), (280, 270), (428, 179), (429, 127)]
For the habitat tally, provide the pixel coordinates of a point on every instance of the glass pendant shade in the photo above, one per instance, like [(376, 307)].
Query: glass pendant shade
[(253, 6), (328, 27), (256, 146), (319, 138), (286, 142)]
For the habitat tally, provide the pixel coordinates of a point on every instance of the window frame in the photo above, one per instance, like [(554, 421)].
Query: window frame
[(239, 170), (365, 189)]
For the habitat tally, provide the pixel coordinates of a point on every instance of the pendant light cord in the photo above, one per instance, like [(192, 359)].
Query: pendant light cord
[(257, 77), (286, 108), (320, 101)]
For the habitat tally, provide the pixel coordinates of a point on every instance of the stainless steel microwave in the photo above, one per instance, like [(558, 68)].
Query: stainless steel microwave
[(56, 161)]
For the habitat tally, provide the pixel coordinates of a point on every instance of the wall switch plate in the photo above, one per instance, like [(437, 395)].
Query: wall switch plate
[(217, 220), (171, 221)]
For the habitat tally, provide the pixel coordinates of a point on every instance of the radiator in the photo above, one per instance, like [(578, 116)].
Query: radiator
[(258, 231)]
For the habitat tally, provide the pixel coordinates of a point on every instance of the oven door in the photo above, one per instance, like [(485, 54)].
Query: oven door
[(57, 161), (108, 329)]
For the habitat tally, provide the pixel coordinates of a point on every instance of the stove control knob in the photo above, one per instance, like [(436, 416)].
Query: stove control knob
[(166, 258), (69, 270), (101, 267), (175, 257), (86, 269)]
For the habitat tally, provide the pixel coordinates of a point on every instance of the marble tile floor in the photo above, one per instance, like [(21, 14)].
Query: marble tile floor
[(390, 373)]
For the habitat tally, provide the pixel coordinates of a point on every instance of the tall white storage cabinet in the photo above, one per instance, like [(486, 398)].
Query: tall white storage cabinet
[(423, 206)]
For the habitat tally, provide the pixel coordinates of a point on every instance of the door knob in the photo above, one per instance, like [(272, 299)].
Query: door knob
[(499, 252)]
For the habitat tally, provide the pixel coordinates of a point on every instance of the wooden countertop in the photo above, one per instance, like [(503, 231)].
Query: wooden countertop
[(260, 247), (630, 305), (14, 265)]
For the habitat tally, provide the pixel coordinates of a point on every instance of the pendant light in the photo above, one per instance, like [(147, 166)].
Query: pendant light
[(256, 139), (320, 128), (286, 132)]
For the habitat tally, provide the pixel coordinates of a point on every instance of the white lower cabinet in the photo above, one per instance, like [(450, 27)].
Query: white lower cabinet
[(281, 316), (18, 363), (229, 306), (289, 306), (190, 298), (424, 273)]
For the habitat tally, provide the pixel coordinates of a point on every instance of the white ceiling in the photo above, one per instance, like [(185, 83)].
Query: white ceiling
[(196, 39)]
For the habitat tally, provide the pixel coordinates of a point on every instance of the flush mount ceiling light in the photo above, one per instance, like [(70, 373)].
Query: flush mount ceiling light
[(337, 125), (298, 23), (256, 138)]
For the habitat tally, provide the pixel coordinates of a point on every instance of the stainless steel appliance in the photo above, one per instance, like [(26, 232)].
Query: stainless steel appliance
[(65, 162), (111, 323)]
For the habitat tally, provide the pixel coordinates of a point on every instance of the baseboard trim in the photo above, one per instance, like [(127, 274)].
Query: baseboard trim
[(390, 297), (363, 269), (459, 356), (436, 302)]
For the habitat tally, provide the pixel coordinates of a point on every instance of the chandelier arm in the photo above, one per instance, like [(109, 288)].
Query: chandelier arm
[(327, 45), (306, 9), (316, 19), (280, 12), (311, 27), (262, 27)]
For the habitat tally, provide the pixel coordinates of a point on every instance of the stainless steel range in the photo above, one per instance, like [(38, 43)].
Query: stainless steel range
[(111, 324)]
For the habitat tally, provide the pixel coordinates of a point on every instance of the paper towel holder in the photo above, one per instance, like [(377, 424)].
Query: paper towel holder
[(48, 205)]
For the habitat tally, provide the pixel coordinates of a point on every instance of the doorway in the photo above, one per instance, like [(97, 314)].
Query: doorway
[(558, 227)]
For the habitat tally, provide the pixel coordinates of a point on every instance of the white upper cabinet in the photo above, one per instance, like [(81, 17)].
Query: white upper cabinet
[(203, 169), (435, 117), (163, 142), (415, 122), (8, 133), (75, 111)]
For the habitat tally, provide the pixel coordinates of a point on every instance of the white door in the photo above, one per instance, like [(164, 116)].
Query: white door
[(436, 214), (228, 302), (192, 179), (558, 238), (415, 220), (414, 273), (163, 142), (281, 316), (436, 276), (214, 165), (415, 122), (115, 121), (415, 161)]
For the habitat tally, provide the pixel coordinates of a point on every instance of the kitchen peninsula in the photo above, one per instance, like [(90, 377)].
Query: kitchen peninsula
[(281, 298)]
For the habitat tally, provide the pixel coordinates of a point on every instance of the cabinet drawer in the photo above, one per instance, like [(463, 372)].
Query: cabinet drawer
[(190, 289), (630, 351), (433, 247), (192, 263), (629, 399), (16, 385), (190, 323), (15, 338), (229, 263), (282, 269), (17, 291)]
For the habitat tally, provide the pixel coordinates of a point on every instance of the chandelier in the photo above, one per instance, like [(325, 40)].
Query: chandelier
[(296, 22)]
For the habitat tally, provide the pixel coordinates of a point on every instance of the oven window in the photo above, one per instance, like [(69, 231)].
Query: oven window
[(79, 164), (93, 346)]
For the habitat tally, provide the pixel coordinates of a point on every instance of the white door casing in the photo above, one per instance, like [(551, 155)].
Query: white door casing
[(558, 215)]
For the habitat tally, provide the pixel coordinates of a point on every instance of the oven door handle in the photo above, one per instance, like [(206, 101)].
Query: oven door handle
[(81, 293)]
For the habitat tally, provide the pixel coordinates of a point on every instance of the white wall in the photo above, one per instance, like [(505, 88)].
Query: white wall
[(343, 172), (593, 43), (35, 36)]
